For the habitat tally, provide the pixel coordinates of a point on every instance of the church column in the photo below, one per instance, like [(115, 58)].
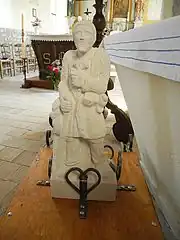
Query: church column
[(167, 9), (130, 10), (176, 8), (111, 11), (78, 8), (152, 11), (170, 8), (131, 14)]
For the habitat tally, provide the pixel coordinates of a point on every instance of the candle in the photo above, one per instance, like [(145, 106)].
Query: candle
[(23, 43), (22, 21)]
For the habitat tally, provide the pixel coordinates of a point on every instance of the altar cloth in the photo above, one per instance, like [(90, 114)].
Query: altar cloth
[(152, 48)]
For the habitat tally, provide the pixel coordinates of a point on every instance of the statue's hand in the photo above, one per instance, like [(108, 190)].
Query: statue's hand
[(90, 99), (76, 78), (88, 103), (66, 105)]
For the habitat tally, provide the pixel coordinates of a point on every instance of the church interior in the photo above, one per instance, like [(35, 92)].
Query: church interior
[(141, 144)]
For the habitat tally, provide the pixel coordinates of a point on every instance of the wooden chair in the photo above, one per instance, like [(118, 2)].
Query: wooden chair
[(6, 60), (31, 59), (17, 57)]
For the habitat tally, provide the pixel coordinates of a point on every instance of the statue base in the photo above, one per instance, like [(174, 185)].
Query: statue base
[(105, 191)]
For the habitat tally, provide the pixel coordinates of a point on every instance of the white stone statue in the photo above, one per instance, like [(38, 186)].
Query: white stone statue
[(78, 121)]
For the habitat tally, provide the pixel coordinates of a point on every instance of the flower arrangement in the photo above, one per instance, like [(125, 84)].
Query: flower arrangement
[(54, 73)]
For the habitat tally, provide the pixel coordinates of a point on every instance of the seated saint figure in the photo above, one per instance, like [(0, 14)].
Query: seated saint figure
[(78, 121)]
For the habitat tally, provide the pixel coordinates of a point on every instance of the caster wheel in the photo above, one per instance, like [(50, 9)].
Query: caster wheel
[(125, 148), (111, 150), (49, 168), (50, 122), (119, 166), (48, 135)]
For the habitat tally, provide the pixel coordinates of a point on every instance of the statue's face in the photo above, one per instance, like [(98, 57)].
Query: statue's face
[(83, 39)]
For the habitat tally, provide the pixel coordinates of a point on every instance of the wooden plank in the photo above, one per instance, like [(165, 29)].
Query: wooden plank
[(36, 216)]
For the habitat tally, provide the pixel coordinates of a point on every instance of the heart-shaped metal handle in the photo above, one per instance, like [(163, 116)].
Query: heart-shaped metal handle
[(98, 180), (83, 174), (82, 190), (74, 169)]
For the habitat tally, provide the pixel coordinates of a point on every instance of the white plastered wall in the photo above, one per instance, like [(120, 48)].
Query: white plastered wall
[(11, 10), (153, 107), (148, 67)]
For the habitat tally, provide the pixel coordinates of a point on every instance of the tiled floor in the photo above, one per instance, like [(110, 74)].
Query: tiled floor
[(23, 122)]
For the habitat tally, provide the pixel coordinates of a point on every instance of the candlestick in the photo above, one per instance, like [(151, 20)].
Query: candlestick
[(23, 42), (23, 50), (24, 68), (25, 84)]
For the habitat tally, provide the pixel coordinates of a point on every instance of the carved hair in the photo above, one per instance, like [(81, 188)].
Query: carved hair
[(88, 25)]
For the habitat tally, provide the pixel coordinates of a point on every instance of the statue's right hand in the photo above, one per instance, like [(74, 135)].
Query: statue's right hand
[(66, 105)]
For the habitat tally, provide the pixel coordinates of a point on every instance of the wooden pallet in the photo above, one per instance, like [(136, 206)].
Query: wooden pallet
[(36, 216)]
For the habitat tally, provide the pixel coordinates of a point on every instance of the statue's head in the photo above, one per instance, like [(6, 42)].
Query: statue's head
[(84, 35)]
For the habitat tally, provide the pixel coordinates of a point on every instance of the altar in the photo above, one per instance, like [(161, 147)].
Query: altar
[(148, 68), (47, 49)]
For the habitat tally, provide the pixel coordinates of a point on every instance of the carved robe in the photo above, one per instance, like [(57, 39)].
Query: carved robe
[(85, 121)]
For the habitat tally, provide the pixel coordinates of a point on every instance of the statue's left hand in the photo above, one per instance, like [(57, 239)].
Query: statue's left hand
[(76, 78)]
